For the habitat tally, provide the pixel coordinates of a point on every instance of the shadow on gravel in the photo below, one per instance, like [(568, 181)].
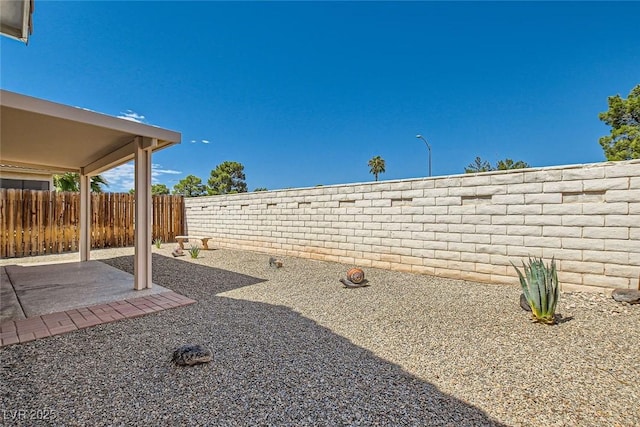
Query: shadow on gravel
[(189, 279), (271, 367), (560, 319)]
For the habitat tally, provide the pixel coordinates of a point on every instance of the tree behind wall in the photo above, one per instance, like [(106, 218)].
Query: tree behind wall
[(623, 116), (190, 186), (159, 190), (506, 164), (227, 178), (156, 190), (480, 165), (377, 166)]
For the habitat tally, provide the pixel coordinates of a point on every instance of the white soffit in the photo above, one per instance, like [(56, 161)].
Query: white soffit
[(16, 19), (41, 134)]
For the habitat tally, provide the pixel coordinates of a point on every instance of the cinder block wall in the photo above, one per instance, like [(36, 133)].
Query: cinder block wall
[(463, 226)]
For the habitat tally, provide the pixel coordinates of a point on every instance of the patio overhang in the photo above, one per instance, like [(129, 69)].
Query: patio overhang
[(16, 19), (40, 134), (52, 137)]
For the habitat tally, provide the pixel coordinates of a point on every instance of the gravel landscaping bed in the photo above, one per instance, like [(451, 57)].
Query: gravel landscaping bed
[(293, 347)]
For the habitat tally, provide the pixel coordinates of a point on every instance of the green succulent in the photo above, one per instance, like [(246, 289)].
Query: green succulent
[(194, 251), (540, 286), (158, 242)]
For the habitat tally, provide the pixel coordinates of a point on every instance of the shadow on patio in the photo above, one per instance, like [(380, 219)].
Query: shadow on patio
[(271, 367)]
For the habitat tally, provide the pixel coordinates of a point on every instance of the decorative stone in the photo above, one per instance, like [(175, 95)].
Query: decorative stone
[(177, 252), (275, 262), (629, 296), (350, 284), (355, 275), (524, 303), (191, 354)]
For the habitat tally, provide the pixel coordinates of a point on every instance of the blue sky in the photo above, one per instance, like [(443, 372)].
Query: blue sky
[(305, 93)]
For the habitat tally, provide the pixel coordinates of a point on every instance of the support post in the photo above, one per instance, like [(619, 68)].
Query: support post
[(85, 216), (142, 269)]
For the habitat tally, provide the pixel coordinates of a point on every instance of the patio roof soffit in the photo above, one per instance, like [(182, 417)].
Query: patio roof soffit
[(36, 167), (121, 155), (48, 136), (16, 19)]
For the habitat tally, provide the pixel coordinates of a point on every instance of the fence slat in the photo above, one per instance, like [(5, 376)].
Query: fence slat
[(38, 223), (74, 211), (46, 220), (16, 235), (117, 225), (4, 227)]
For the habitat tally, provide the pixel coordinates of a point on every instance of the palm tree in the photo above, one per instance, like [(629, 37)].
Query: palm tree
[(97, 181), (377, 166), (66, 182), (71, 182)]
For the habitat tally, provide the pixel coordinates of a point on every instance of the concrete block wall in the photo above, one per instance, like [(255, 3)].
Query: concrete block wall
[(468, 226)]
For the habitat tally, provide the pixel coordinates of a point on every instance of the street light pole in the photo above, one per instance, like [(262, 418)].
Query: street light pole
[(429, 147)]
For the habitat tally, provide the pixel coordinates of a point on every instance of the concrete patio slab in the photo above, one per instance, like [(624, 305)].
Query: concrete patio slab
[(10, 308), (43, 289)]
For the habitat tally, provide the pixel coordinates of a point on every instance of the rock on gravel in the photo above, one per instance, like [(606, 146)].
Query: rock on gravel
[(191, 354), (524, 304), (629, 296)]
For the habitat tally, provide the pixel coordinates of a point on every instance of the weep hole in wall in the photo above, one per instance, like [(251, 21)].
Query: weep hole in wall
[(583, 197), (403, 201), (476, 200)]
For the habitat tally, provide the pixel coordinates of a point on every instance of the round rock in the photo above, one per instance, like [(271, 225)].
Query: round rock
[(524, 304), (626, 295), (191, 354)]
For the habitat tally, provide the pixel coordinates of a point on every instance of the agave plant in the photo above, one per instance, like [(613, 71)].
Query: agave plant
[(158, 242), (540, 286), (194, 251)]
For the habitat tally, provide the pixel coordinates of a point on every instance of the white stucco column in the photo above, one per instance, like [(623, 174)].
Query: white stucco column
[(85, 216), (142, 269)]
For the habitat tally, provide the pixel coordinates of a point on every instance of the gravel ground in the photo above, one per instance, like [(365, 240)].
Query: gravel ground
[(292, 346)]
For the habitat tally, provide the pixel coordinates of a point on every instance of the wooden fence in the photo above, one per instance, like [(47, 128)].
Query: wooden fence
[(48, 222)]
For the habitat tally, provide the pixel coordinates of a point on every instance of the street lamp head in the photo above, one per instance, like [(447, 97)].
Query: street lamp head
[(428, 147)]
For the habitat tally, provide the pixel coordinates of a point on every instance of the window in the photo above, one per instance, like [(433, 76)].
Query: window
[(24, 184)]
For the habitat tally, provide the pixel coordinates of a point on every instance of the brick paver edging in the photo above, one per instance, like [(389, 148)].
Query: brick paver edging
[(46, 325)]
